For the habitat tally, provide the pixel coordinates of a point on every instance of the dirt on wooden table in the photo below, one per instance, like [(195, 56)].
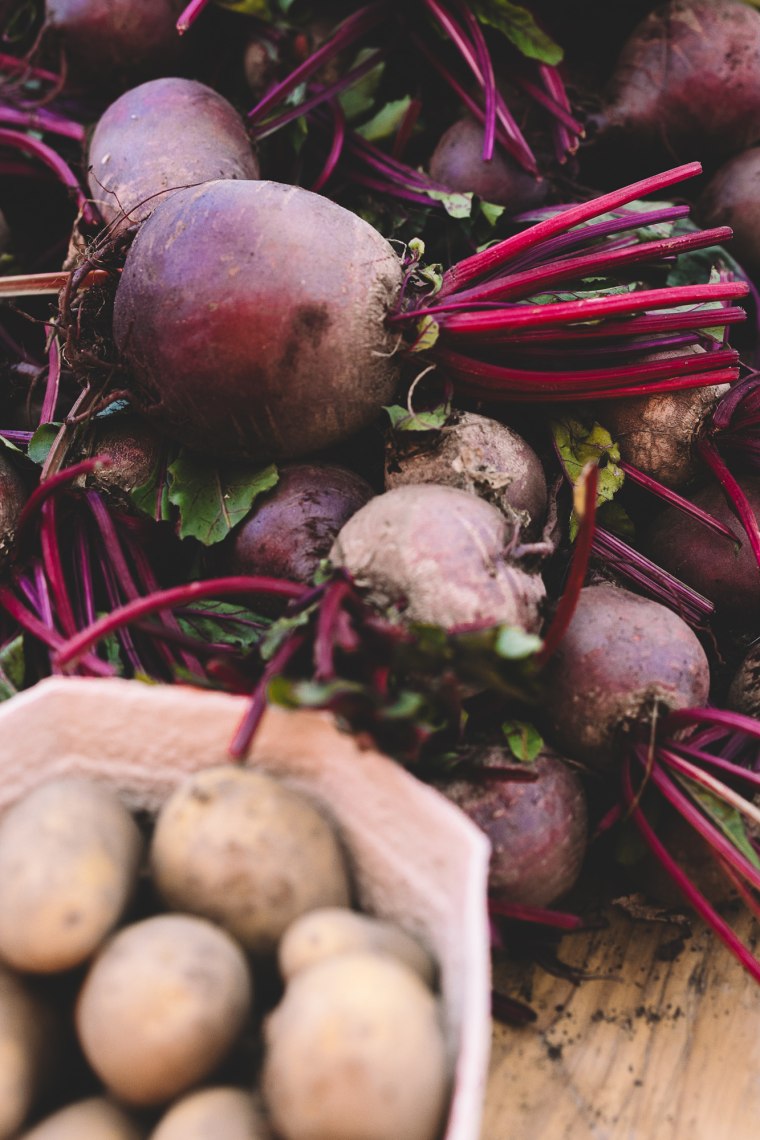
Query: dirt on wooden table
[(661, 1042)]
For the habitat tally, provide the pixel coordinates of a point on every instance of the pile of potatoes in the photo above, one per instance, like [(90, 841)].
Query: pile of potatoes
[(138, 961)]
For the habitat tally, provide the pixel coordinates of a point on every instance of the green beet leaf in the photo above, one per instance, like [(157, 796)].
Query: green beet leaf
[(211, 497), (518, 25)]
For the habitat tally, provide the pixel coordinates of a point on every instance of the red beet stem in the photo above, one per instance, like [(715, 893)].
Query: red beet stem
[(701, 824), (45, 284), (592, 309), (241, 740), (598, 262), (190, 14), (51, 558), (693, 896), (346, 34), (54, 483), (658, 583), (48, 636), (41, 120), (492, 258), (498, 376), (477, 58), (585, 489), (723, 718), (174, 596), (535, 914), (676, 500), (734, 494), (510, 136), (47, 412), (40, 151)]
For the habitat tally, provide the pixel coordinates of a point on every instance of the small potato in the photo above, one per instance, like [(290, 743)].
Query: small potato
[(213, 1114), (355, 1051), (244, 850), (69, 857), (92, 1119), (161, 1006), (25, 1054), (337, 930)]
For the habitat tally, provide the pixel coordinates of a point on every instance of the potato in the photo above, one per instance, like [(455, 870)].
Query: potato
[(355, 1051), (244, 850), (69, 856), (25, 1056), (162, 1005), (337, 930), (92, 1119), (214, 1114)]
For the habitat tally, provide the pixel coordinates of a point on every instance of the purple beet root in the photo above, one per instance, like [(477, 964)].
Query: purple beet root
[(479, 455), (159, 136), (293, 526), (537, 829), (744, 693), (622, 660), (240, 343), (117, 44), (133, 449), (458, 163), (724, 571), (441, 556), (688, 82), (732, 198)]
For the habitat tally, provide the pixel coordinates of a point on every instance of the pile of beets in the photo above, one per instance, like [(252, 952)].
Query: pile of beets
[(399, 359)]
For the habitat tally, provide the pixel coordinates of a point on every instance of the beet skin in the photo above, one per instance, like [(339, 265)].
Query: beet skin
[(161, 135), (252, 318), (537, 828), (724, 571), (687, 84), (622, 659), (293, 526)]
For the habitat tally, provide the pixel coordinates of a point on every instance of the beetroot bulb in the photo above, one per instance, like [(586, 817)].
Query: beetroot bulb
[(726, 572), (622, 660), (161, 135), (242, 343), (293, 526), (479, 455), (658, 434), (458, 163), (441, 556), (732, 198), (687, 82), (118, 43), (537, 827)]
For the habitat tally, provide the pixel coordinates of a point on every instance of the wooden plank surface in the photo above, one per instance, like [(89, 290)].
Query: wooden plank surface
[(661, 1044)]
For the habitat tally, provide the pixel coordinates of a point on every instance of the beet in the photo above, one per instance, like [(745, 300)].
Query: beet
[(13, 496), (744, 693), (119, 43), (252, 317), (439, 555), (725, 572), (159, 136), (134, 451), (687, 83), (732, 198), (622, 659), (293, 526), (537, 828), (658, 434), (479, 455), (458, 163)]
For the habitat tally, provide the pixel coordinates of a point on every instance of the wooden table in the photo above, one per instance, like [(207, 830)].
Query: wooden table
[(649, 1049)]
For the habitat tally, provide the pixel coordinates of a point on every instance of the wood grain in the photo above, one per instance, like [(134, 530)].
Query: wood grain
[(647, 1048)]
